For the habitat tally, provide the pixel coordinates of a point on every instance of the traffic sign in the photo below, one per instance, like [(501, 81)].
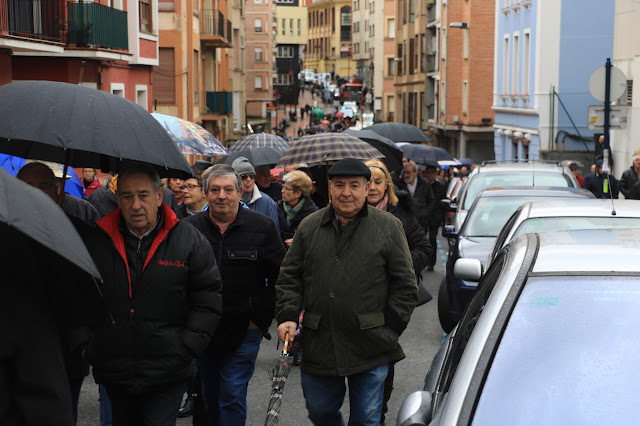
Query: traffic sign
[(617, 117), (618, 83)]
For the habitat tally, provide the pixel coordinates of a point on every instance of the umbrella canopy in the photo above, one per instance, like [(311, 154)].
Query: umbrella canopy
[(278, 376), (400, 132), (190, 137), (466, 161), (319, 112), (423, 154), (339, 114), (259, 140), (327, 147), (392, 154), (83, 127), (263, 156)]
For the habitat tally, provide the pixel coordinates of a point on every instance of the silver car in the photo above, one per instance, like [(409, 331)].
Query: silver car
[(549, 338), (561, 215)]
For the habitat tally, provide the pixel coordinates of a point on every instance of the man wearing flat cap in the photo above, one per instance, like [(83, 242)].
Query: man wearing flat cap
[(351, 266)]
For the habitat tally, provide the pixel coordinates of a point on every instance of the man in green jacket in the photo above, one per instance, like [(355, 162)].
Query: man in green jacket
[(351, 267)]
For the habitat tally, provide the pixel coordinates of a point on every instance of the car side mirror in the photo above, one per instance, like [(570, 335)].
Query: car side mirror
[(449, 231), (448, 205), (468, 269), (415, 410)]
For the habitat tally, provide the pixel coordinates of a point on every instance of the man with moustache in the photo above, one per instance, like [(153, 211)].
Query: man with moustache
[(249, 251)]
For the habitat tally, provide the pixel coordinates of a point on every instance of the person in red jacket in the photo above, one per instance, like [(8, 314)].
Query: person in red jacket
[(90, 181)]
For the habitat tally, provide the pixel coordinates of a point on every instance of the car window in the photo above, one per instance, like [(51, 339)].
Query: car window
[(468, 322), (567, 355), (502, 236), (488, 215), (543, 224), (489, 180)]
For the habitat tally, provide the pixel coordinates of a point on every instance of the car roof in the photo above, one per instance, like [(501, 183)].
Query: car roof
[(490, 167), (541, 191), (583, 208), (612, 251)]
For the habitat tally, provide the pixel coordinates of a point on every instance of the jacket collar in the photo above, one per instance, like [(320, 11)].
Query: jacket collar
[(330, 214), (255, 195)]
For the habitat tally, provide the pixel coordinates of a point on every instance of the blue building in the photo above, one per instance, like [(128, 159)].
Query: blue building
[(545, 52)]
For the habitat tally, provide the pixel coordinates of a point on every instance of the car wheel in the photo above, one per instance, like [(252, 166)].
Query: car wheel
[(446, 313)]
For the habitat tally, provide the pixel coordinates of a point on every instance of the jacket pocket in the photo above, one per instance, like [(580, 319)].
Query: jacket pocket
[(371, 320), (311, 320), (243, 254)]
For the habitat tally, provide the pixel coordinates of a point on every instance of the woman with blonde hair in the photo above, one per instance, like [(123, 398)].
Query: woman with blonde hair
[(384, 196), (296, 203)]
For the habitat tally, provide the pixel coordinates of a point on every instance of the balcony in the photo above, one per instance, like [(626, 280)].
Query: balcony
[(97, 26), (32, 19), (430, 65), (219, 103), (215, 30), (431, 12)]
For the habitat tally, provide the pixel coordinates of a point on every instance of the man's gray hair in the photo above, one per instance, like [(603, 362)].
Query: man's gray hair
[(413, 163), (220, 170), (142, 169)]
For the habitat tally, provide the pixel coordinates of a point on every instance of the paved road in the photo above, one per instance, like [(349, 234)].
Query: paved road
[(420, 341)]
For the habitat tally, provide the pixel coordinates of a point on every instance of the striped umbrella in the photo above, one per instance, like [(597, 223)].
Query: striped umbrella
[(278, 376), (326, 148), (259, 140)]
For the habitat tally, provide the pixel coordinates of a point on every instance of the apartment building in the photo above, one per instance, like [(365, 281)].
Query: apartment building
[(458, 61), (108, 45), (291, 40), (329, 45)]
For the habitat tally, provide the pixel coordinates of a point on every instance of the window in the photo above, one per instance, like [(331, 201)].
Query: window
[(144, 10), (258, 51), (196, 79), (391, 28), (118, 89), (412, 56), (399, 59), (258, 82), (526, 52), (284, 28), (290, 26), (257, 25), (299, 26), (443, 97), (412, 10), (464, 96), (465, 43), (285, 79), (285, 52), (515, 76), (164, 88), (505, 65), (391, 66)]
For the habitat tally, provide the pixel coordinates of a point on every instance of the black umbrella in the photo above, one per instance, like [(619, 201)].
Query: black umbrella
[(425, 154), (263, 156), (400, 132), (83, 127), (32, 223), (392, 154)]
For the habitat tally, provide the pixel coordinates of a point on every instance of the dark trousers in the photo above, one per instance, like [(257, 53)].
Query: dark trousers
[(433, 240), (156, 408)]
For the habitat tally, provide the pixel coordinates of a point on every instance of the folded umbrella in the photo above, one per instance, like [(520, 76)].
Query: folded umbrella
[(278, 376), (83, 127), (190, 137)]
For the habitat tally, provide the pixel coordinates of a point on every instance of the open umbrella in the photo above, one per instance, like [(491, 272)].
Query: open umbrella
[(83, 127), (392, 154), (258, 140), (56, 242), (339, 114), (423, 154), (190, 137), (466, 161), (263, 156), (400, 132), (326, 148), (319, 112), (278, 376)]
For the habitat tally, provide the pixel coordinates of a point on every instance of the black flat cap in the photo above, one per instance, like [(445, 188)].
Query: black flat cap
[(573, 166), (349, 167)]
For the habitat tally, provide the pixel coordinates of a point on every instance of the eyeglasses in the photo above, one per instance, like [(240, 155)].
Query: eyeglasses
[(249, 176), (288, 189), (189, 187)]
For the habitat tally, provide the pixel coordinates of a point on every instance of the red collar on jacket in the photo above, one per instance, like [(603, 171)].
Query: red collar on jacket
[(111, 225)]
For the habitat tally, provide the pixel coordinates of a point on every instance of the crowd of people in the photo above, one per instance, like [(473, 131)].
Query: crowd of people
[(194, 272)]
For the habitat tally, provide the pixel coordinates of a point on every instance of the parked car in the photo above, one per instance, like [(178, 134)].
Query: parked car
[(486, 217), (452, 192), (549, 339), (352, 105), (567, 215), (508, 173)]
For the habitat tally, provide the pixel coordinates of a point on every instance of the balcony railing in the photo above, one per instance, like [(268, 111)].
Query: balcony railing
[(96, 25), (219, 102), (431, 13), (34, 19), (213, 24), (430, 64)]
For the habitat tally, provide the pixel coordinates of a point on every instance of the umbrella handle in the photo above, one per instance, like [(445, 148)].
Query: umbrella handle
[(285, 347)]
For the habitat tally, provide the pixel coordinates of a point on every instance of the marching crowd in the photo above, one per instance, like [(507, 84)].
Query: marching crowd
[(194, 272)]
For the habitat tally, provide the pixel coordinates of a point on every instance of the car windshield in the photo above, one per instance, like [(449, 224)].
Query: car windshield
[(542, 224), (568, 356), (490, 214), (483, 181)]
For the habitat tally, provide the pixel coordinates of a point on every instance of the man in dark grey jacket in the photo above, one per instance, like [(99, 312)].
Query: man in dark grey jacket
[(421, 193), (630, 176)]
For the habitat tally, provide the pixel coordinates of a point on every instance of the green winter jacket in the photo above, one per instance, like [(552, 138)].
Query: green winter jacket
[(359, 290)]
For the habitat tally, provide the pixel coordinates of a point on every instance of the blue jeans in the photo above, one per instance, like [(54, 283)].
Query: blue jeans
[(225, 378), (106, 418), (324, 396)]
